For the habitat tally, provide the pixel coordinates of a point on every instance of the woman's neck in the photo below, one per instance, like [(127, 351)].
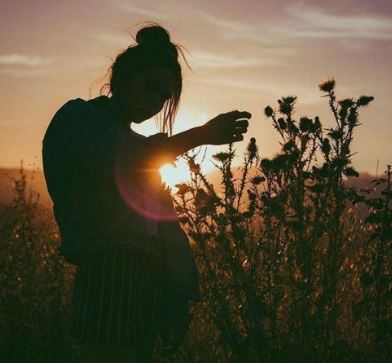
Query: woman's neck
[(120, 110)]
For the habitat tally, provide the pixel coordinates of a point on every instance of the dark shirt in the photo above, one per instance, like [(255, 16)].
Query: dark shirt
[(83, 165)]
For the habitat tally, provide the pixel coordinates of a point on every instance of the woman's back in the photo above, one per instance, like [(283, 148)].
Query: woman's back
[(80, 154)]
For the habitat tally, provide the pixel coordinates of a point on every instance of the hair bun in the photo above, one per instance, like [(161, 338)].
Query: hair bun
[(154, 36)]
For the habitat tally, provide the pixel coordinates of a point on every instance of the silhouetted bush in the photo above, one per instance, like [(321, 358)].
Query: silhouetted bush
[(35, 283), (289, 271)]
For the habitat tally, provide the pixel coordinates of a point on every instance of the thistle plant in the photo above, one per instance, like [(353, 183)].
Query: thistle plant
[(275, 246)]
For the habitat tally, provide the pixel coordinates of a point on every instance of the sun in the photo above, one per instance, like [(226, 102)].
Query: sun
[(172, 175)]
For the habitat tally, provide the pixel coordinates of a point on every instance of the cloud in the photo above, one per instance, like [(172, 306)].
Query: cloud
[(316, 23), (141, 11), (303, 22), (119, 40), (202, 59), (23, 72), (232, 29), (23, 60)]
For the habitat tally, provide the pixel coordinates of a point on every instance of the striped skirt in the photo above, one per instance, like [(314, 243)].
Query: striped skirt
[(117, 298)]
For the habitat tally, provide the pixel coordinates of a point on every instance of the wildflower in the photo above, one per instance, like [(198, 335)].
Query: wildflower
[(364, 100), (284, 107), (316, 125), (282, 123), (317, 122), (222, 156), (289, 100), (252, 148), (265, 164), (327, 85), (305, 124), (346, 103), (268, 111), (340, 162)]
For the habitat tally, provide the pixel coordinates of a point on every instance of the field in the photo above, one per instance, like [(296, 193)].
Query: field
[(294, 254)]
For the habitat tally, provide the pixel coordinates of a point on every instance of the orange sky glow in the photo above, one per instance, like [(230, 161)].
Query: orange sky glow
[(244, 55)]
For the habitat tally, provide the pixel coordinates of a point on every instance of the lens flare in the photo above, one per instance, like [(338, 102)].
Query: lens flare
[(143, 192)]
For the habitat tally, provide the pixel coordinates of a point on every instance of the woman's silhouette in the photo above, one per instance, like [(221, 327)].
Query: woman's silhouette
[(135, 272)]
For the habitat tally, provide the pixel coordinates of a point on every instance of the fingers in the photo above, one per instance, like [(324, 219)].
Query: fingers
[(237, 127), (239, 114), (242, 123)]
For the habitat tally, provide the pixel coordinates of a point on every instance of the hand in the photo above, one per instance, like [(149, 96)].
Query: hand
[(226, 128)]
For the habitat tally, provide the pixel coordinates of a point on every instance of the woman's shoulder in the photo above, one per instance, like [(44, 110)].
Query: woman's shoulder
[(69, 110), (77, 117)]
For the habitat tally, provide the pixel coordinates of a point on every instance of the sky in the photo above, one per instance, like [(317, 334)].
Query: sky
[(243, 54)]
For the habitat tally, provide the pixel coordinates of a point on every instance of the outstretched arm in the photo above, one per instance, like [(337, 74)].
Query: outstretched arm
[(223, 129)]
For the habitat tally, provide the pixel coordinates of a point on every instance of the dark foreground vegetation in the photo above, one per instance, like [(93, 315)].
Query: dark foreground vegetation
[(292, 268)]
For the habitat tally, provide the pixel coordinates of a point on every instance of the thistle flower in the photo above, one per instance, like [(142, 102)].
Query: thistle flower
[(327, 85), (252, 148), (305, 124), (285, 108), (282, 123), (289, 100), (265, 164), (346, 103), (364, 100), (268, 111), (221, 156), (317, 123)]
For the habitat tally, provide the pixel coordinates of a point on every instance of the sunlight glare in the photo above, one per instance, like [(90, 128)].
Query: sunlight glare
[(172, 175)]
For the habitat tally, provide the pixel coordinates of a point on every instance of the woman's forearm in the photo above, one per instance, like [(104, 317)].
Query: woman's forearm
[(160, 149), (167, 149), (182, 142)]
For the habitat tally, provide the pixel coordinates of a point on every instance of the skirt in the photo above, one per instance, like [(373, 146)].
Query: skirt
[(117, 298)]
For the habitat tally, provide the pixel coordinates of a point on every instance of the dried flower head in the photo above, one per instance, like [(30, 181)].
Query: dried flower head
[(327, 85), (221, 156), (268, 111)]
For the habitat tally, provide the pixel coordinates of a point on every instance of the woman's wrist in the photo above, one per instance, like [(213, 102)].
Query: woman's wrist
[(199, 136)]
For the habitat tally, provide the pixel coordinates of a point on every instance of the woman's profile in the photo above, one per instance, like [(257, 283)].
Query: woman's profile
[(135, 273)]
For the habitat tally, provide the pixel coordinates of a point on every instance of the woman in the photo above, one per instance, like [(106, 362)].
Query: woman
[(135, 272)]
